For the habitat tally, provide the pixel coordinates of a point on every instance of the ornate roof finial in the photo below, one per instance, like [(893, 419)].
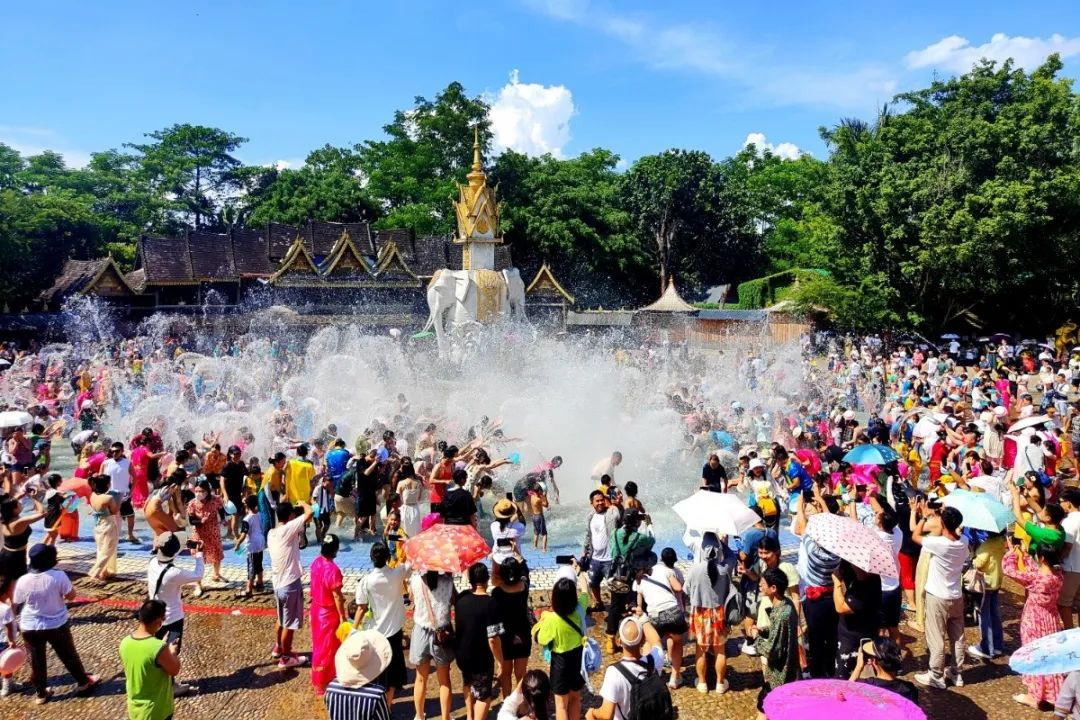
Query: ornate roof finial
[(476, 177)]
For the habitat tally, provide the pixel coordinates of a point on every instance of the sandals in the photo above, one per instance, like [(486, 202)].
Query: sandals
[(42, 699), (243, 596)]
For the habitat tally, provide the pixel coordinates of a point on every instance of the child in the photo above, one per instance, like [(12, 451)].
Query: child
[(537, 502), (251, 530), (395, 537), (7, 621), (254, 478), (323, 499), (632, 502), (54, 507)]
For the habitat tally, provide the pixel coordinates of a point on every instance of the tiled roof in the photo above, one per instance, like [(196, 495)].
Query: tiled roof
[(280, 239), (670, 302), (211, 256), (80, 276), (431, 254), (251, 254), (166, 260)]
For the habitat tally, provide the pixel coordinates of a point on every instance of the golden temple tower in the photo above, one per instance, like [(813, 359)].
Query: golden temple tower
[(477, 216)]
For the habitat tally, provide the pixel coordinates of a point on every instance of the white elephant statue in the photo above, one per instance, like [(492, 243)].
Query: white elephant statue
[(457, 298)]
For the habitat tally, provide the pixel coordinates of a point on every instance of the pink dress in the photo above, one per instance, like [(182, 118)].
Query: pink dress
[(1039, 618), (140, 487), (325, 577), (208, 532)]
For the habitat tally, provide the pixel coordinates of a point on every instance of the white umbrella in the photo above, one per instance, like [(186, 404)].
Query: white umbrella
[(1028, 422), (720, 513), (950, 336), (14, 418)]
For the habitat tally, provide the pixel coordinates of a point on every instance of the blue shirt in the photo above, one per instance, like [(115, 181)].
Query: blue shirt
[(750, 539), (795, 471), (336, 462)]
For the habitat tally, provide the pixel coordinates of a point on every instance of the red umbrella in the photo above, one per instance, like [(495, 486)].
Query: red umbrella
[(79, 486), (446, 548)]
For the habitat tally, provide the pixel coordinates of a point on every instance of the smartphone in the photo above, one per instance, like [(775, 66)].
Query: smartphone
[(192, 544), (510, 496), (393, 538), (564, 559)]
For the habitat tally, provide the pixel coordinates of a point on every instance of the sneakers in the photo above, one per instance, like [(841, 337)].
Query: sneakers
[(7, 687), (975, 652), (291, 661), (275, 654), (722, 687), (702, 688), (927, 679), (748, 649), (675, 682), (954, 677)]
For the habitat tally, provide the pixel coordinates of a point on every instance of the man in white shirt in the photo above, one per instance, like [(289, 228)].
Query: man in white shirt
[(118, 468), (642, 653), (165, 581), (606, 467), (283, 544), (381, 591), (597, 547), (1034, 459), (944, 596), (1069, 598)]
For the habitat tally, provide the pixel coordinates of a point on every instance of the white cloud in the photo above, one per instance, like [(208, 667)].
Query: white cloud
[(956, 54), (703, 48), (785, 150), (34, 141), (531, 118)]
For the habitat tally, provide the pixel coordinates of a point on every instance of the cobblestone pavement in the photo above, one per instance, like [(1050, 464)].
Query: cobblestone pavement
[(227, 657)]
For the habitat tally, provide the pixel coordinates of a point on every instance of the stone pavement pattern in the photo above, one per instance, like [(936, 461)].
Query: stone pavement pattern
[(227, 657)]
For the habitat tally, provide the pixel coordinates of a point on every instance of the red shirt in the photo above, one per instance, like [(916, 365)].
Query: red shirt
[(443, 471)]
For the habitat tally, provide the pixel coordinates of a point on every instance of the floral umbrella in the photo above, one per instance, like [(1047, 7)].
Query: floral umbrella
[(852, 541), (446, 548)]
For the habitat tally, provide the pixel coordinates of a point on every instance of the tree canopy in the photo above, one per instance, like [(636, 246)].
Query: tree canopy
[(957, 207)]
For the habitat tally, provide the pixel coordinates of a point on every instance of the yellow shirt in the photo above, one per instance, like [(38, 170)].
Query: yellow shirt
[(298, 476)]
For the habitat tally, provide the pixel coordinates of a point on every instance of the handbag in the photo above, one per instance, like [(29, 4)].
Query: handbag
[(444, 634)]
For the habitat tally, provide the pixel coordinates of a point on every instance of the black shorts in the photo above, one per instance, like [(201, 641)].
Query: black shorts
[(479, 679), (890, 608), (254, 564), (394, 674), (566, 672), (126, 508), (516, 646), (540, 525), (173, 633), (670, 622)]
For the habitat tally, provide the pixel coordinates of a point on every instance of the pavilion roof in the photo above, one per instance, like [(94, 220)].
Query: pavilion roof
[(670, 302)]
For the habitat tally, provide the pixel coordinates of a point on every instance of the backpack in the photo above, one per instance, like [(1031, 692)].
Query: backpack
[(620, 574), (346, 482), (649, 696), (733, 605)]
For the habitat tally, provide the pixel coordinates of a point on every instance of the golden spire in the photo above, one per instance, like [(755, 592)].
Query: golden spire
[(477, 176)]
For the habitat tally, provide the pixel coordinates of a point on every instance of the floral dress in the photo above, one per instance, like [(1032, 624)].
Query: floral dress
[(1039, 618), (208, 532)]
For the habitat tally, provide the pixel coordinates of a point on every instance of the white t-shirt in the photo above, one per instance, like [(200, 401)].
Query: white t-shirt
[(381, 590), (438, 599), (601, 550), (602, 468), (120, 473), (895, 539), (1071, 526), (283, 543), (616, 688), (1033, 458), (946, 566), (656, 591), (172, 585), (41, 595), (992, 485)]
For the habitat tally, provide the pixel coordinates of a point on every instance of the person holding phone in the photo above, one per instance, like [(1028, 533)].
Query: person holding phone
[(150, 664), (165, 581), (882, 656)]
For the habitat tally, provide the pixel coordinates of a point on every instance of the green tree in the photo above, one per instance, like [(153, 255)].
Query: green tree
[(412, 174), (567, 213), (193, 167), (686, 218)]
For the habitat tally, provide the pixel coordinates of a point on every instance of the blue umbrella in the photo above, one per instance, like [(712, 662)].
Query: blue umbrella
[(872, 454), (1053, 654), (980, 511)]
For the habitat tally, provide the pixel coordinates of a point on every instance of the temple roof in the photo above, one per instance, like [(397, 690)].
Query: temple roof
[(545, 283), (670, 302), (79, 277), (476, 209), (298, 268), (392, 266)]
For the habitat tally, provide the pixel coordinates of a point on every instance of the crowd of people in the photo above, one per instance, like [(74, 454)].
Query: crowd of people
[(947, 424)]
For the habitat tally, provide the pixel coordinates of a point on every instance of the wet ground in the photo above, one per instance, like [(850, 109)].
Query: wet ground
[(226, 656)]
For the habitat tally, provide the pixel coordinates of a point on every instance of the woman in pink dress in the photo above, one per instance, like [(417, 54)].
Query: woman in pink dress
[(1039, 618), (140, 465), (206, 528), (328, 611)]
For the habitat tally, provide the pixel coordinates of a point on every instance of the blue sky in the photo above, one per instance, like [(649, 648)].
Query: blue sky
[(564, 75)]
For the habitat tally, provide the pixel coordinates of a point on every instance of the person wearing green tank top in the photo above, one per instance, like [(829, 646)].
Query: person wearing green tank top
[(150, 665)]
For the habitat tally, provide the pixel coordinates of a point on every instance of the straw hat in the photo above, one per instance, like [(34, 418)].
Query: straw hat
[(504, 509), (362, 658)]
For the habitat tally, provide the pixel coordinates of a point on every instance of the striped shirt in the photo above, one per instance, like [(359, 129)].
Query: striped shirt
[(362, 703)]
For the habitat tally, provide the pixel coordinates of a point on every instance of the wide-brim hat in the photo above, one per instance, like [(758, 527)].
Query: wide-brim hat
[(504, 509), (362, 658)]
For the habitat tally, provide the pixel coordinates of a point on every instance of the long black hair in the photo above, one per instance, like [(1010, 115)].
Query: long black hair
[(536, 687)]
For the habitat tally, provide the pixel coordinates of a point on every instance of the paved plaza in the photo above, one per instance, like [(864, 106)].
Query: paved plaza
[(226, 655)]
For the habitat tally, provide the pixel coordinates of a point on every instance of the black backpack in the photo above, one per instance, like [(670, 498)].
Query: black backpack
[(650, 698), (347, 481), (620, 574)]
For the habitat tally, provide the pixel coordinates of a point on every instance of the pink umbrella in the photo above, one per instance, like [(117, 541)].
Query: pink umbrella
[(833, 699), (854, 542), (446, 548)]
